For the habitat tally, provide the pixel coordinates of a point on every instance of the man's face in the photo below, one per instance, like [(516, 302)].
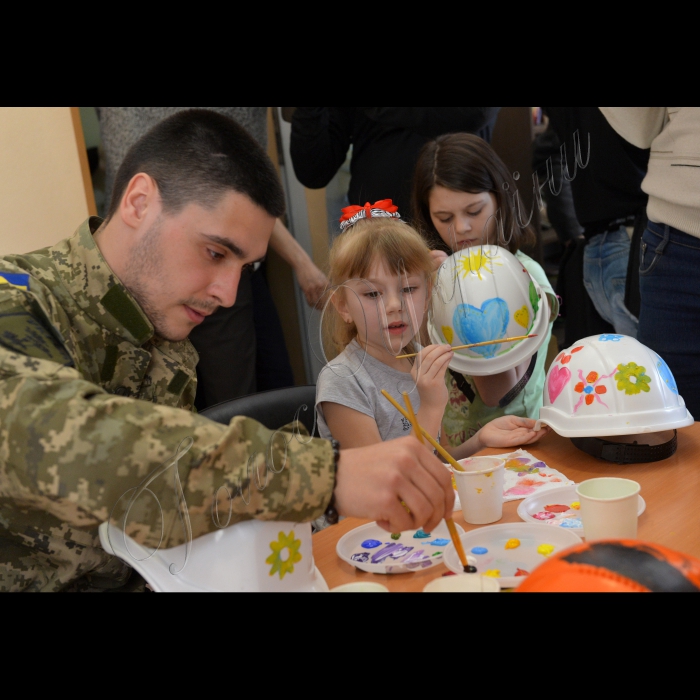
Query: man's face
[(185, 266)]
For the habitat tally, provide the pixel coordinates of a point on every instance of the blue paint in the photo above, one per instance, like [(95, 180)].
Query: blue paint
[(439, 542), (371, 544), (571, 522), (610, 336), (479, 550), (421, 535), (666, 374), (476, 325)]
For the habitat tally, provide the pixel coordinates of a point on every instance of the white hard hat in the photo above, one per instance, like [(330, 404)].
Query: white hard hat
[(611, 384), (252, 555), (485, 293)]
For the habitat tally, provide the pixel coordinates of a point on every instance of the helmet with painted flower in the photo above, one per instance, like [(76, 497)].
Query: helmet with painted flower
[(484, 293), (611, 384), (252, 555)]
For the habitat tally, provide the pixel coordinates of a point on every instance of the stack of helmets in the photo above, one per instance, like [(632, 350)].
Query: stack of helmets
[(484, 293)]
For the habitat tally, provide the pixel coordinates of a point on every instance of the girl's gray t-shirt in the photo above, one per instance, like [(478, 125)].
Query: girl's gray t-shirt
[(355, 379)]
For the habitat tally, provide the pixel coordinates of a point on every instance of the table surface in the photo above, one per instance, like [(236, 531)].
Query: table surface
[(670, 487)]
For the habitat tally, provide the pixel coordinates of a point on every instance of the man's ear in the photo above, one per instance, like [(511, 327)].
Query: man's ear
[(139, 199)]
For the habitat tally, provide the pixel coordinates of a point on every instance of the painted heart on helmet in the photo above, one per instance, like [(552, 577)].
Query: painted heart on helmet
[(522, 317), (477, 325), (559, 377)]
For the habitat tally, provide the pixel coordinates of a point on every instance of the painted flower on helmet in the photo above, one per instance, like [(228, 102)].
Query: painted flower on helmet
[(631, 378), (590, 388), (564, 358), (285, 553)]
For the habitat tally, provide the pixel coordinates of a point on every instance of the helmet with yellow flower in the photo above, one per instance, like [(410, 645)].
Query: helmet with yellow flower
[(611, 384), (249, 556), (484, 293)]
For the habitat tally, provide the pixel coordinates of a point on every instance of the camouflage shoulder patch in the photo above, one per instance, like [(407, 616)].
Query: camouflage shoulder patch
[(22, 333), (16, 279)]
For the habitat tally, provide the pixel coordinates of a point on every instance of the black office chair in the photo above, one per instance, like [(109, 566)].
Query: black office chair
[(273, 408)]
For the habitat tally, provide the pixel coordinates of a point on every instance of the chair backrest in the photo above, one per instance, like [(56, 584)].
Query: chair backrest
[(273, 408)]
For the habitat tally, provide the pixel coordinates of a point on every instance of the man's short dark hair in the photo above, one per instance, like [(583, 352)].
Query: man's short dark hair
[(196, 156)]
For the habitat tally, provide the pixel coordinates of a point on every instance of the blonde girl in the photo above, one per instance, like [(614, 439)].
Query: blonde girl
[(381, 272)]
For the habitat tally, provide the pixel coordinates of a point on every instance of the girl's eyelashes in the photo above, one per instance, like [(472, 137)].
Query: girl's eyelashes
[(215, 255), (371, 295), (468, 213)]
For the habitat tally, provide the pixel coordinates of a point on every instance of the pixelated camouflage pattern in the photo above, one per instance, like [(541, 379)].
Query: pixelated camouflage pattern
[(91, 408)]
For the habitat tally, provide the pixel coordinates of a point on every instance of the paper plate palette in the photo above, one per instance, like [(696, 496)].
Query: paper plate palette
[(554, 508), (371, 548), (510, 551)]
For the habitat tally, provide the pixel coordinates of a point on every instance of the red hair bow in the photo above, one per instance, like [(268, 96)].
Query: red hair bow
[(384, 207)]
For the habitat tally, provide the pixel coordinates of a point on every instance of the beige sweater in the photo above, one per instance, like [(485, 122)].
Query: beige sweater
[(673, 178)]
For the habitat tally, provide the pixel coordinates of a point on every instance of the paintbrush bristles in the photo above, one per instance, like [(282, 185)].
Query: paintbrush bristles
[(477, 345)]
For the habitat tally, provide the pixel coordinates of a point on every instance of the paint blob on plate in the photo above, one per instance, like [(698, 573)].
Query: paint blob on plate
[(556, 508), (543, 515), (479, 550)]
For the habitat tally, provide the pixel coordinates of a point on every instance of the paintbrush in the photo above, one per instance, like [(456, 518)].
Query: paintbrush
[(442, 451), (476, 345), (468, 568)]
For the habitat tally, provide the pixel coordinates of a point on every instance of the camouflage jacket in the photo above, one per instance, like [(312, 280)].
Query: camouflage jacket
[(91, 415)]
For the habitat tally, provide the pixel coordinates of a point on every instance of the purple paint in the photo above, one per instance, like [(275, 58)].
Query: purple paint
[(362, 557), (391, 551), (371, 544)]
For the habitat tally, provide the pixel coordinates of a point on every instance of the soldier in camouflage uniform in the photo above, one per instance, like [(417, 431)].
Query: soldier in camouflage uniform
[(96, 369)]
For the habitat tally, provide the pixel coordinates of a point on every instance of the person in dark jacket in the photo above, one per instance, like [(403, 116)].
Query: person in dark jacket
[(385, 144)]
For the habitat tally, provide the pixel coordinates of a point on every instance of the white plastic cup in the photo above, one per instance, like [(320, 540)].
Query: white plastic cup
[(480, 489), (609, 508), (463, 583)]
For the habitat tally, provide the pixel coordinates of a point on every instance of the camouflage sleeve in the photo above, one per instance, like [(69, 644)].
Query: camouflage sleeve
[(69, 448)]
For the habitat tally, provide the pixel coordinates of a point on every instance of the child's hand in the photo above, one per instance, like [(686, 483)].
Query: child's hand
[(509, 431), (429, 374), (438, 257)]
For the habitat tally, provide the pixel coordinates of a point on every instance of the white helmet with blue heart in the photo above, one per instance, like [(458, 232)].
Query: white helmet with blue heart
[(484, 293)]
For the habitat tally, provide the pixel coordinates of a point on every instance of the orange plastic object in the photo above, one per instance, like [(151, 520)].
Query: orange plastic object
[(624, 566)]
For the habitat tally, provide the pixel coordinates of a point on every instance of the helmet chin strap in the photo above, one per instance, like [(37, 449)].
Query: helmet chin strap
[(626, 453)]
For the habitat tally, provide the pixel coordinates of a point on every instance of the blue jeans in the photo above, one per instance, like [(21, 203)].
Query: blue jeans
[(669, 316), (605, 259)]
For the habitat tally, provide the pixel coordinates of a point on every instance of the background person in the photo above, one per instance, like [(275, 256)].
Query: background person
[(670, 247), (385, 143), (462, 197)]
